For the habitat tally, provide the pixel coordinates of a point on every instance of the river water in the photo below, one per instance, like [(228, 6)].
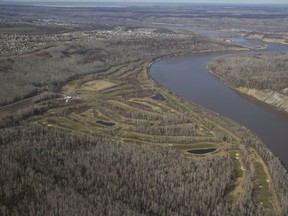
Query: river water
[(188, 76)]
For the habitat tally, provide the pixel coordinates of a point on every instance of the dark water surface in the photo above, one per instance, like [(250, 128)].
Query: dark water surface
[(188, 76), (159, 97), (108, 124), (202, 151)]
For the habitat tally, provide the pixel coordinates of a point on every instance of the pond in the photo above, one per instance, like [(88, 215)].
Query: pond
[(108, 124), (158, 97), (202, 151)]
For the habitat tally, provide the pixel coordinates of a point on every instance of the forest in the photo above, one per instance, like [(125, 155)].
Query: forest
[(84, 130), (259, 71)]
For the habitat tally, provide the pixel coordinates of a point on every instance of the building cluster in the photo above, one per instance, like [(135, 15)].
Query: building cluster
[(123, 33), (18, 43), (12, 44)]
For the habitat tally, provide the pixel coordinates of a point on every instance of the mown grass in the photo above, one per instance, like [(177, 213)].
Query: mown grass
[(66, 123), (234, 188), (97, 85), (113, 114), (128, 108), (176, 102), (155, 105), (111, 71), (130, 73), (234, 155), (120, 71), (122, 105), (97, 115), (85, 122), (217, 127), (118, 90), (143, 75), (163, 139), (264, 194)]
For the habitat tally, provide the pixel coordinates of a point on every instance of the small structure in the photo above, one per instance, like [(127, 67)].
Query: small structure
[(67, 98)]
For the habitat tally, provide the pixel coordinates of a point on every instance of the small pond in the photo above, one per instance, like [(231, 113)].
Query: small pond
[(158, 97), (108, 124), (202, 151)]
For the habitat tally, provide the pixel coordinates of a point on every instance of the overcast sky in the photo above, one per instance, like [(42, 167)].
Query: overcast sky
[(158, 1)]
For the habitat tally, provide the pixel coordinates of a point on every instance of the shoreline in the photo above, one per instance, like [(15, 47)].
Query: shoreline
[(250, 96), (239, 126)]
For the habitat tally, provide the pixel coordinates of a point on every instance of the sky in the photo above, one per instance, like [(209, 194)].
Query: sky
[(170, 1)]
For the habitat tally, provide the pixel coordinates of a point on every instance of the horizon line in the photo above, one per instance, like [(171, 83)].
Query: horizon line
[(136, 2)]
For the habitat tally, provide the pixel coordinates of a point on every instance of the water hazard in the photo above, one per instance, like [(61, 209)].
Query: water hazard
[(202, 151), (108, 124)]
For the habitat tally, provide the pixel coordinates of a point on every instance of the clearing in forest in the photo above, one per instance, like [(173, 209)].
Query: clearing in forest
[(97, 85)]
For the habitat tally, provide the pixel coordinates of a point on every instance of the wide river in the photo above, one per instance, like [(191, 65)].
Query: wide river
[(188, 76)]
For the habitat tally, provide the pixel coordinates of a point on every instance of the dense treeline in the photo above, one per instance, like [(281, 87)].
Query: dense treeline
[(45, 171), (260, 71)]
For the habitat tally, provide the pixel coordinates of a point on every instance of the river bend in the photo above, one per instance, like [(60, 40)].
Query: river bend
[(188, 76)]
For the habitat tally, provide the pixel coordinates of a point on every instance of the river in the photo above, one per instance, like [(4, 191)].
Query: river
[(188, 76)]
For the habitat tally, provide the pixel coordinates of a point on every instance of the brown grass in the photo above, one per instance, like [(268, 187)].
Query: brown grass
[(97, 85)]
